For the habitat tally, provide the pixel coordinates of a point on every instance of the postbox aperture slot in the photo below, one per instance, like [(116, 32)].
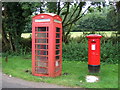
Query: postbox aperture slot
[(93, 41)]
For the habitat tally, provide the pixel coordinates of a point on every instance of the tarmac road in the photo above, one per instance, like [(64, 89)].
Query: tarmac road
[(12, 82)]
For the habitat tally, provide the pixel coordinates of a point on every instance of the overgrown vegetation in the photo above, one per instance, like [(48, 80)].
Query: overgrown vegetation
[(77, 49)]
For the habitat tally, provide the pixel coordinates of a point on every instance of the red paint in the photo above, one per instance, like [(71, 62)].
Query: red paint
[(44, 35), (94, 49)]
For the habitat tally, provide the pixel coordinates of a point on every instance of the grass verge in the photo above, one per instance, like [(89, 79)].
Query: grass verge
[(75, 77)]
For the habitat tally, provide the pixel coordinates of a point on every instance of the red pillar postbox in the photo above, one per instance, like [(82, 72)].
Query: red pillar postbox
[(94, 53), (46, 45)]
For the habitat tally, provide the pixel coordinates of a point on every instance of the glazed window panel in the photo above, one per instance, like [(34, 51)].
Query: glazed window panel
[(41, 35), (57, 35), (57, 69), (41, 70), (57, 40), (41, 29), (41, 46), (57, 46), (41, 64), (41, 41), (57, 29), (41, 58), (57, 57), (57, 52), (41, 52)]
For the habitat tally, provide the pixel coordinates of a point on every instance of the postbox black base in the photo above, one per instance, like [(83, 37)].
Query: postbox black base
[(94, 68)]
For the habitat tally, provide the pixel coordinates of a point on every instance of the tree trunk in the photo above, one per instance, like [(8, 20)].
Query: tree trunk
[(4, 38), (11, 42)]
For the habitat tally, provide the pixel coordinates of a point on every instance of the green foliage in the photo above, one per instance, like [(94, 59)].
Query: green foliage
[(77, 50), (52, 7), (110, 50), (113, 18), (15, 16), (93, 20), (24, 48)]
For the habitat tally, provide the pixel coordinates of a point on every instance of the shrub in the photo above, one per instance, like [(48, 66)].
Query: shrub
[(79, 51), (75, 51), (110, 52)]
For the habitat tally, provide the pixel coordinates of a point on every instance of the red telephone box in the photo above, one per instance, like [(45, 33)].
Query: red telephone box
[(46, 45), (94, 53)]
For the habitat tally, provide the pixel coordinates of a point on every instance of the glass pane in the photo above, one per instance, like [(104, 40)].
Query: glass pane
[(41, 41), (41, 29), (41, 64), (57, 46), (57, 57), (41, 46), (57, 35), (57, 29), (41, 70), (36, 29), (41, 35), (57, 69), (41, 52), (57, 52), (57, 40), (41, 58)]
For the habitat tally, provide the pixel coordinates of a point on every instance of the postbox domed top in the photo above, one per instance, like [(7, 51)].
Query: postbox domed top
[(94, 36)]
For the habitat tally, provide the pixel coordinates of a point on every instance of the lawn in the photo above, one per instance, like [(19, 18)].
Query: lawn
[(75, 77), (75, 34)]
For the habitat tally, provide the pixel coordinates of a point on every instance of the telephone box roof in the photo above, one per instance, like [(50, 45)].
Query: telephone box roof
[(49, 14)]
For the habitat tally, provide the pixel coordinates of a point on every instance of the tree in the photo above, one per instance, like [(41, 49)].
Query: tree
[(113, 16), (94, 20), (14, 17), (70, 13)]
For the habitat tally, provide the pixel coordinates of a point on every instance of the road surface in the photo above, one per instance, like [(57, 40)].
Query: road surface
[(12, 82)]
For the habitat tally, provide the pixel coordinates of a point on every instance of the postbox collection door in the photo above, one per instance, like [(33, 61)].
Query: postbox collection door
[(41, 50)]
